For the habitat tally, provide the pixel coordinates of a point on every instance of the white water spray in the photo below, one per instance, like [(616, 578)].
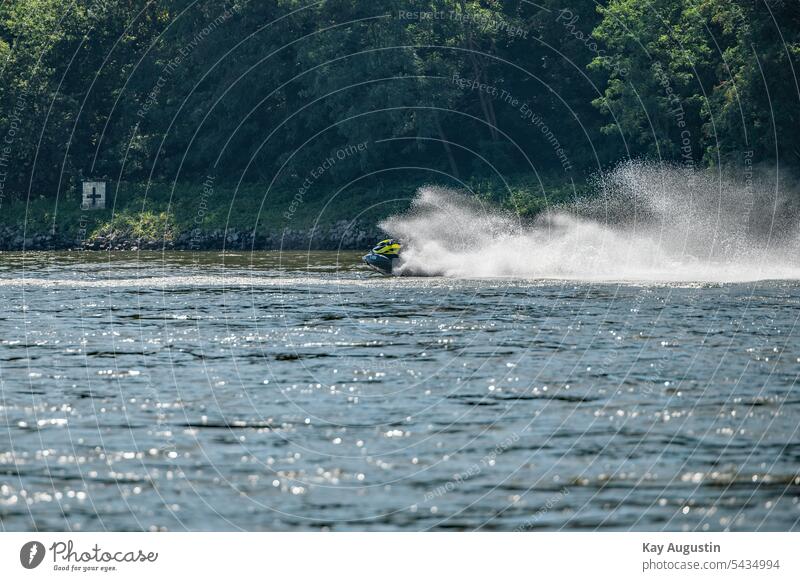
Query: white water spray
[(649, 222)]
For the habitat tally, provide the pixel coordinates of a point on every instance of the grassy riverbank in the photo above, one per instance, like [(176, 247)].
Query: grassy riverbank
[(209, 214)]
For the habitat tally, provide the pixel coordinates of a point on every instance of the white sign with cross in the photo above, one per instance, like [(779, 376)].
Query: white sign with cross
[(94, 195)]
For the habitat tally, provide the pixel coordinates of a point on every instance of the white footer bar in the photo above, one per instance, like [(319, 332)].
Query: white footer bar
[(401, 556)]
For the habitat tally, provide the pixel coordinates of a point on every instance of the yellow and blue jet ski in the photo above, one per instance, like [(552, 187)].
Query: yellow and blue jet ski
[(384, 257)]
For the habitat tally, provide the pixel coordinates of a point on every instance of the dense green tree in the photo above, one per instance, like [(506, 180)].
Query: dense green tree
[(702, 79), (264, 91)]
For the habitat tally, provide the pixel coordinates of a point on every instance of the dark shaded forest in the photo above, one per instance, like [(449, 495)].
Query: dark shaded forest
[(308, 96)]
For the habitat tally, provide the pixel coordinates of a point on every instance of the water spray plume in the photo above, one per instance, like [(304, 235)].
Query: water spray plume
[(647, 222)]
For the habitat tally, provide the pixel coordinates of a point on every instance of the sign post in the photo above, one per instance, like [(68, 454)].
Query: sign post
[(94, 195)]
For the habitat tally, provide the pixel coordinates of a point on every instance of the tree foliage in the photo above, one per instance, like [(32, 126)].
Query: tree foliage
[(263, 92)]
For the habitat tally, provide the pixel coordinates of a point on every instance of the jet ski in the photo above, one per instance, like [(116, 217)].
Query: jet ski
[(384, 257)]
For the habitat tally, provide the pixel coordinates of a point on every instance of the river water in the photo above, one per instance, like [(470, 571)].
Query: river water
[(296, 391)]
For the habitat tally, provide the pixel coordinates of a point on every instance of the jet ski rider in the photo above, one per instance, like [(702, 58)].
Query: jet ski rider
[(390, 248)]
